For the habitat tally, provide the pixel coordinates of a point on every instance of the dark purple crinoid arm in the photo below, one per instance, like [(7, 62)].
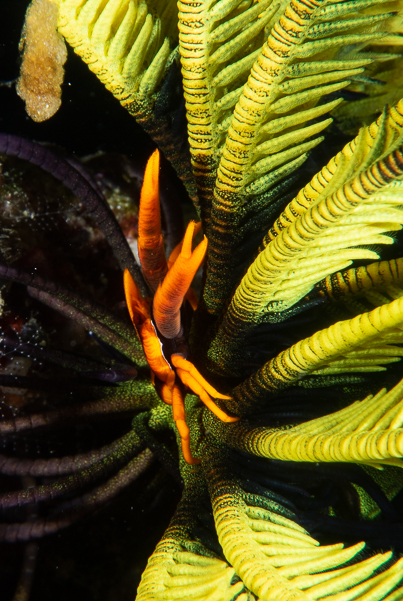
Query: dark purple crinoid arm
[(78, 506), (91, 316), (81, 186)]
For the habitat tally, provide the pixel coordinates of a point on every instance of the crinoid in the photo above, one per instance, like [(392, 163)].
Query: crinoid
[(289, 438)]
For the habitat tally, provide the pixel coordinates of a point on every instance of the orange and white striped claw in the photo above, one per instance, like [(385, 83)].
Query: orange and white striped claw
[(171, 292), (139, 309), (150, 242)]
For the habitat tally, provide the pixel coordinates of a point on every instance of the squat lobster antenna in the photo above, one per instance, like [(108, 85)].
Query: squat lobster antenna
[(171, 292), (150, 242)]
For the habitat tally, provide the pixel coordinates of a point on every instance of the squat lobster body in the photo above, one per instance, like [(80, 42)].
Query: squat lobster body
[(170, 281)]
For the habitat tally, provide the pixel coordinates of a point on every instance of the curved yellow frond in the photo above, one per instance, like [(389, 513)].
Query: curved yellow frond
[(387, 275), (368, 431), (314, 49), (182, 568), (277, 559), (216, 57), (360, 344), (123, 42), (351, 206), (130, 45)]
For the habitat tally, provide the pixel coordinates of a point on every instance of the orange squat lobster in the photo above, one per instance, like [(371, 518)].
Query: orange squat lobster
[(160, 318)]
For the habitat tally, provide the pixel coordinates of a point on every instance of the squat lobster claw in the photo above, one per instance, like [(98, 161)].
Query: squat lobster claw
[(171, 283)]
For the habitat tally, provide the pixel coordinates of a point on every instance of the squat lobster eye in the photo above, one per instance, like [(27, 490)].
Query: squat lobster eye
[(171, 284)]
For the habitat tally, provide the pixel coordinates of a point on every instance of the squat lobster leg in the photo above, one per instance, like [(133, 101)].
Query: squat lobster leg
[(190, 376), (178, 410)]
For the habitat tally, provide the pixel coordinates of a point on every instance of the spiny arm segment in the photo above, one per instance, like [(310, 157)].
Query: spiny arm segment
[(216, 56), (368, 431), (125, 45), (385, 276), (150, 242), (181, 567), (170, 294)]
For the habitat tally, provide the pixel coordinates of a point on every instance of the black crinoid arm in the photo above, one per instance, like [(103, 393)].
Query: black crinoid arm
[(73, 372)]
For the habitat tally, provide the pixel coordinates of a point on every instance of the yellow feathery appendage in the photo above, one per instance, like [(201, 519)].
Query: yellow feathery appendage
[(385, 275), (368, 431), (173, 573), (269, 133), (385, 87), (216, 57), (277, 559), (368, 146), (122, 41), (130, 46), (353, 204), (361, 344), (181, 568), (322, 240)]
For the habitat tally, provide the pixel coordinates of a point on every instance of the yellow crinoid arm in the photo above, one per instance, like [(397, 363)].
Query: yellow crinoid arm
[(218, 43), (385, 275), (150, 242), (323, 239), (131, 46), (362, 344), (276, 558), (313, 48), (125, 42), (181, 567), (349, 208), (169, 296), (368, 431)]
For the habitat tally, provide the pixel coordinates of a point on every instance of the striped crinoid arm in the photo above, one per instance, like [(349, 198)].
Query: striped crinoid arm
[(218, 42), (372, 94), (349, 207), (385, 275), (182, 568), (314, 48), (362, 344), (377, 284), (367, 432), (130, 46), (277, 559), (372, 142)]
